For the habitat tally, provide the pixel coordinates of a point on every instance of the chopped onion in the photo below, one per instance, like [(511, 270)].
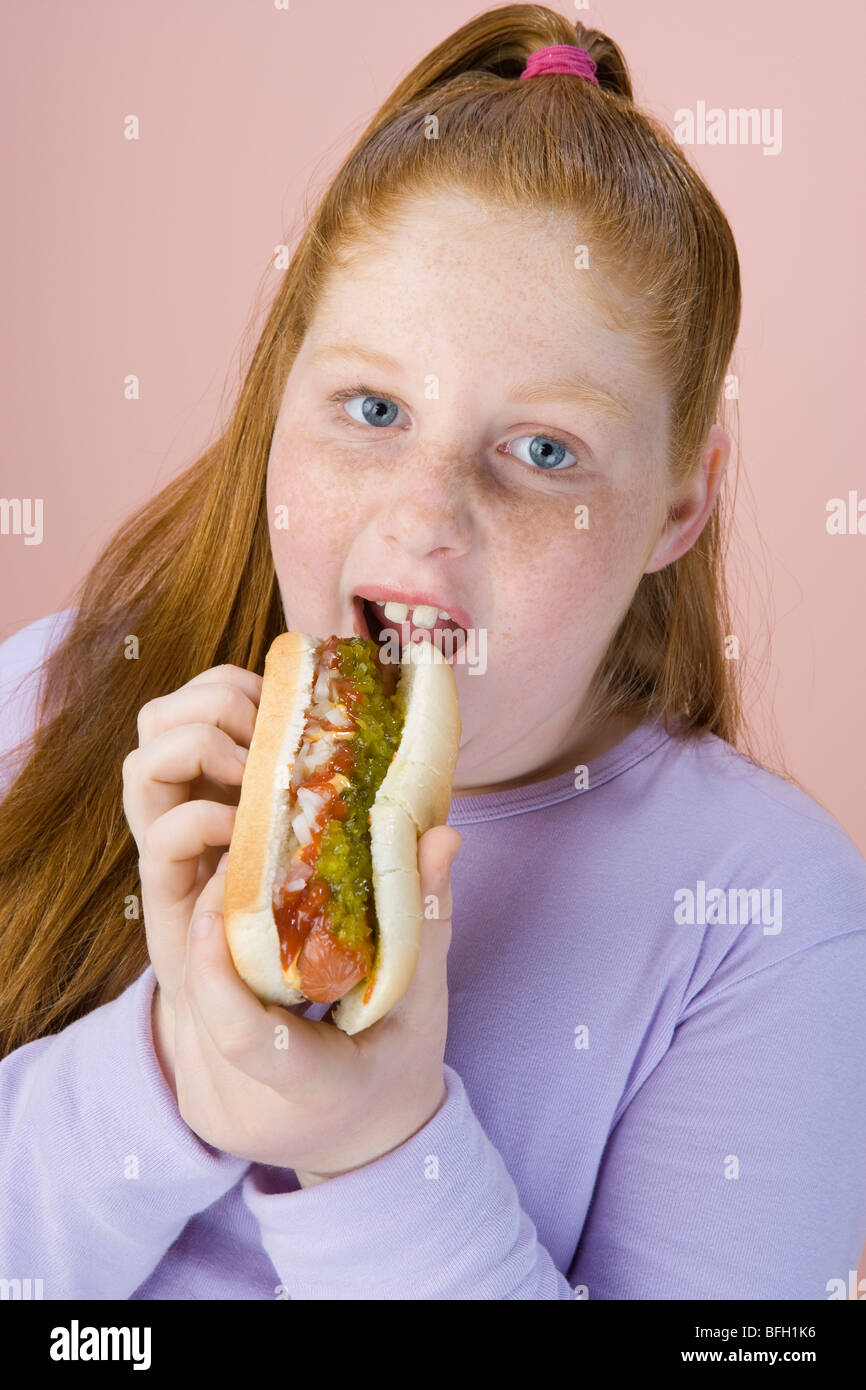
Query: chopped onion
[(301, 829), (339, 718), (299, 868), (321, 689), (294, 886), (310, 803), (299, 767), (319, 754)]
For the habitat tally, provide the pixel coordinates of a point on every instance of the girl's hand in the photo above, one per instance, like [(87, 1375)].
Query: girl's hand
[(180, 793), (267, 1085)]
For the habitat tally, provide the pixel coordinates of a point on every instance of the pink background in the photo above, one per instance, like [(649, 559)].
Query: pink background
[(147, 257)]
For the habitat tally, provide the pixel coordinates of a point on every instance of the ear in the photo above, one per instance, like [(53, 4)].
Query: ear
[(689, 510)]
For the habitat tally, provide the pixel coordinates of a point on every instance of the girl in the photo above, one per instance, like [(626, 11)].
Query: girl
[(489, 383)]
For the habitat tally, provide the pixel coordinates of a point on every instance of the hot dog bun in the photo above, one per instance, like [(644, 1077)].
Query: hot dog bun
[(262, 819), (414, 795)]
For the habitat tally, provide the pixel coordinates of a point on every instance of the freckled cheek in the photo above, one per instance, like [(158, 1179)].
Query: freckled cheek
[(625, 530), (311, 520), (552, 581)]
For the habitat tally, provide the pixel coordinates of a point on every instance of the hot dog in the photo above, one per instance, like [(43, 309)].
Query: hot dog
[(349, 763)]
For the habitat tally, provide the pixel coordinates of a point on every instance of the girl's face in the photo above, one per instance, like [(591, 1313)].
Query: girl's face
[(462, 425)]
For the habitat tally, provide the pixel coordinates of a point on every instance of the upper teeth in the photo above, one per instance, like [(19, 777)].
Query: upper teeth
[(423, 614)]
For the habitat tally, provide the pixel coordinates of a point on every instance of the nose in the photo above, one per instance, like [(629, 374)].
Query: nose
[(426, 510)]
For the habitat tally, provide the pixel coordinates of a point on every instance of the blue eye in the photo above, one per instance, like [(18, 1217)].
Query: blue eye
[(544, 452), (375, 410)]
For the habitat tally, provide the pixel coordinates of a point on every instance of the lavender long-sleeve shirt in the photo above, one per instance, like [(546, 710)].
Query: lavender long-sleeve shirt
[(649, 1094)]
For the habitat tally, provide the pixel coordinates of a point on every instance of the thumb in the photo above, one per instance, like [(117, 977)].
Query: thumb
[(426, 999), (437, 850)]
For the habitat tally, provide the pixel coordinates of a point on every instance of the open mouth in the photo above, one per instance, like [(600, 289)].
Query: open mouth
[(396, 632)]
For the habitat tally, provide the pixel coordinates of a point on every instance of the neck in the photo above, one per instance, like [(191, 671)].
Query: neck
[(588, 745)]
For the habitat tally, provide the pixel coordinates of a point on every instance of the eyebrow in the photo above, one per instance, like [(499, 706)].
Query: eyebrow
[(567, 391), (574, 391)]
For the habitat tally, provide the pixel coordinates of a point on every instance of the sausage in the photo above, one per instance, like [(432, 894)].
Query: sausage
[(327, 967)]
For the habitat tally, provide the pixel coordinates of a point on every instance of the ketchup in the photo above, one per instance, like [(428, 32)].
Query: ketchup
[(348, 692), (295, 911)]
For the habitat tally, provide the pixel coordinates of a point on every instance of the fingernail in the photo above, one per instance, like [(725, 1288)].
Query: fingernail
[(223, 864), (203, 924), (241, 753)]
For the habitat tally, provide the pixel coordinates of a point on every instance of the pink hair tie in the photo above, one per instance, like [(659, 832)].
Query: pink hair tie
[(561, 57)]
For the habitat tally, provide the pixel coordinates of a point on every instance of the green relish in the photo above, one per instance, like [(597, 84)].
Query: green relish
[(344, 861)]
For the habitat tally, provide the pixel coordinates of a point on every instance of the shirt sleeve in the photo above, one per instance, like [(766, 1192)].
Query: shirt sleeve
[(98, 1171), (439, 1217), (738, 1170)]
